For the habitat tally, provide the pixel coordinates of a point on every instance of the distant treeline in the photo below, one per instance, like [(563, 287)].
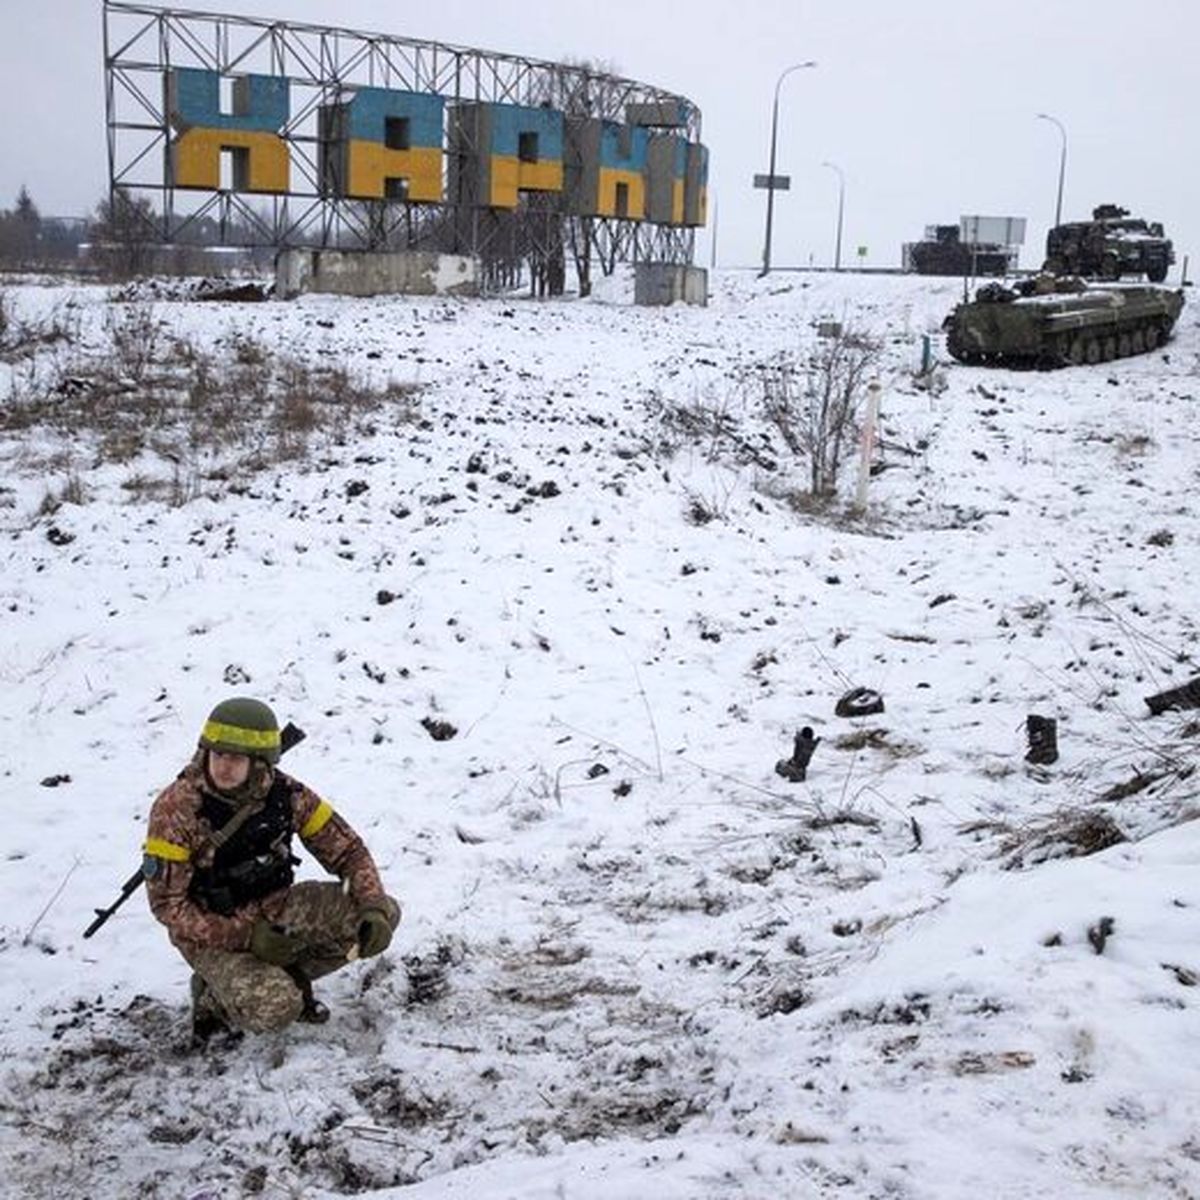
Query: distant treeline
[(120, 238)]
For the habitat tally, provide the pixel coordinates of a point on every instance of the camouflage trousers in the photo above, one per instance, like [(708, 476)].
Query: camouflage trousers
[(235, 987)]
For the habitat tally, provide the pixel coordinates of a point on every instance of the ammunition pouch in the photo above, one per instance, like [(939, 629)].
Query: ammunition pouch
[(255, 858), (226, 891)]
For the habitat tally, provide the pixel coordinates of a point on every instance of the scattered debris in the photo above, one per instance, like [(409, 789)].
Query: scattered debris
[(440, 731), (986, 1064), (1184, 975), (1099, 933)]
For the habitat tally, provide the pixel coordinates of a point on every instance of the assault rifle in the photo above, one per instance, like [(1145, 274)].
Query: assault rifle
[(290, 735)]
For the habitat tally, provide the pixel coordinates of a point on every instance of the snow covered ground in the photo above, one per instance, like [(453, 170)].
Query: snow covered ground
[(635, 960)]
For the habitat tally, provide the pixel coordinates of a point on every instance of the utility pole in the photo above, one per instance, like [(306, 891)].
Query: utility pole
[(1062, 164), (837, 254), (771, 182)]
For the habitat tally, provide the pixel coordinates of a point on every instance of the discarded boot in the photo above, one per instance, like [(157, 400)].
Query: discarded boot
[(795, 768), (1186, 695), (1042, 736)]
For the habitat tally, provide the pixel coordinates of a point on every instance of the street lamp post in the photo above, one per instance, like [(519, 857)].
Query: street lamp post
[(1062, 163), (837, 254), (766, 267)]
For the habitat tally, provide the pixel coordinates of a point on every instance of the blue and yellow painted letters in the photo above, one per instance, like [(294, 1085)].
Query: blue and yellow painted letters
[(612, 169), (695, 192), (509, 149), (251, 131), (621, 187), (387, 144), (666, 174), (393, 136)]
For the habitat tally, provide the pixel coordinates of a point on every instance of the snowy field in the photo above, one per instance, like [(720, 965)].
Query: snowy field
[(635, 961)]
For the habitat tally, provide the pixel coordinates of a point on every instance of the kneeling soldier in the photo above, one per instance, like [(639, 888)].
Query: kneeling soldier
[(219, 871)]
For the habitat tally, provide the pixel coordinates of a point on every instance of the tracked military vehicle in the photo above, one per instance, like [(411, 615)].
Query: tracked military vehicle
[(1046, 322), (1110, 245)]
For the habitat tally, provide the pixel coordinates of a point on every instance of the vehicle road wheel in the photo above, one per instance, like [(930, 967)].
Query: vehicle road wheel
[(1110, 349), (1077, 352), (1092, 350), (1151, 337), (1138, 341), (1124, 345)]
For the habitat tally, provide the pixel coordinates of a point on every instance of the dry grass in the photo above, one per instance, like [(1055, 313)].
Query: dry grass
[(1073, 833), (21, 338), (185, 420)]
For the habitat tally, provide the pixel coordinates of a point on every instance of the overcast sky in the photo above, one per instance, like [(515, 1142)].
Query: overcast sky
[(927, 106)]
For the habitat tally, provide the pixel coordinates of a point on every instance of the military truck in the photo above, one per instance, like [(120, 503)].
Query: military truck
[(1110, 245), (1053, 322), (943, 252)]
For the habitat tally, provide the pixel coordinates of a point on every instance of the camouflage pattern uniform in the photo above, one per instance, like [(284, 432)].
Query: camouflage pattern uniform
[(231, 984)]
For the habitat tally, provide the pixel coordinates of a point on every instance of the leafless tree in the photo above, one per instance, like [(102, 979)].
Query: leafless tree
[(20, 232), (125, 234)]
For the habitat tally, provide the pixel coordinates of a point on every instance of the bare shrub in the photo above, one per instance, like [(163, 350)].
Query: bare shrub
[(813, 401), (21, 338), (710, 422), (71, 492), (250, 353), (698, 510), (135, 334)]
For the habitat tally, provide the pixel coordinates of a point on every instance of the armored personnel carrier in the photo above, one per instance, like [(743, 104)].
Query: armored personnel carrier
[(1110, 245), (943, 252), (1047, 322)]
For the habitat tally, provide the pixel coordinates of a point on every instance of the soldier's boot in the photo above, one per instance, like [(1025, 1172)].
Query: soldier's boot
[(313, 1011), (208, 1017)]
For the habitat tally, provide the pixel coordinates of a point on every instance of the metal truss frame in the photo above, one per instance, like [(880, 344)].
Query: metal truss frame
[(323, 64)]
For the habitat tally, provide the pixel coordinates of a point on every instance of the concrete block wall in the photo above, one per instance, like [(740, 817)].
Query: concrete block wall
[(668, 283), (374, 273)]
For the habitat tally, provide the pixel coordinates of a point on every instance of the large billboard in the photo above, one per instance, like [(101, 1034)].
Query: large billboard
[(327, 136)]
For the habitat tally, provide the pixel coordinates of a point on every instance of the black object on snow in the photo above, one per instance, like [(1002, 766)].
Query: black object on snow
[(793, 769), (859, 702), (1186, 695), (1042, 735)]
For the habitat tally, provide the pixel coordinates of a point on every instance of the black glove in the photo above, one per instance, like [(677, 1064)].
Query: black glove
[(374, 932), (273, 944)]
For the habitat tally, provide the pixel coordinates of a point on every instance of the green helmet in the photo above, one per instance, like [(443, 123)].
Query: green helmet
[(242, 726)]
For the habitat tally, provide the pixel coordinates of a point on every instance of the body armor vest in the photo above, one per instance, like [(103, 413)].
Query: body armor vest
[(257, 859)]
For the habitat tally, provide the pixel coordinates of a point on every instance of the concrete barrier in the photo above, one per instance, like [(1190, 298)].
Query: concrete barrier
[(666, 283), (374, 273)]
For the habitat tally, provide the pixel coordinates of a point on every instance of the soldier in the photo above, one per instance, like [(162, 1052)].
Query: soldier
[(219, 871)]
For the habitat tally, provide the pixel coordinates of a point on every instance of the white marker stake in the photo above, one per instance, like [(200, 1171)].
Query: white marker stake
[(868, 443)]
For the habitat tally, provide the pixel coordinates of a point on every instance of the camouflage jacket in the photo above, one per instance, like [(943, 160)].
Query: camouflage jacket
[(177, 842)]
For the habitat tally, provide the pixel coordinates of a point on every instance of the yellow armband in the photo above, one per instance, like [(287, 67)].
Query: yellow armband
[(317, 821)]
